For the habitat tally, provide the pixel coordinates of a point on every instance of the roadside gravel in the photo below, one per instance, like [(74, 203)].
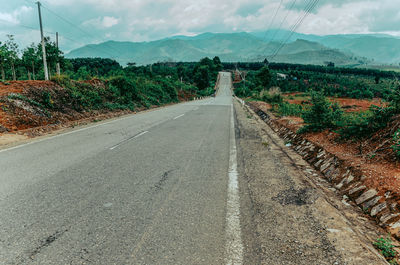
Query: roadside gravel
[(286, 217)]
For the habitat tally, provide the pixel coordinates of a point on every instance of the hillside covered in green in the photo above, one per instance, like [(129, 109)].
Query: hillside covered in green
[(231, 47)]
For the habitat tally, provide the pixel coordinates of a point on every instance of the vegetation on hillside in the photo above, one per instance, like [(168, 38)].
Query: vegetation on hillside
[(89, 86), (316, 84)]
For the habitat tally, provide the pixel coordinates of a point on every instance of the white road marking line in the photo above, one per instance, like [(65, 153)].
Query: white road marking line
[(234, 245), (83, 129), (179, 116), (126, 140), (64, 134)]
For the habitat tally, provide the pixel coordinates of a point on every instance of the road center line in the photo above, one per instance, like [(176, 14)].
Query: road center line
[(126, 140), (234, 245), (179, 116)]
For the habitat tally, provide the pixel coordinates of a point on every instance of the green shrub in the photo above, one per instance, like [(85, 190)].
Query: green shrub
[(322, 114), (386, 247), (272, 96), (46, 99), (62, 80), (117, 106), (287, 109), (358, 126), (125, 88)]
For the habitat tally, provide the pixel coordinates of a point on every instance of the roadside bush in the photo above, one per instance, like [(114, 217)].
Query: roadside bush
[(272, 96), (386, 247), (322, 114), (46, 99), (264, 77), (61, 80), (358, 126), (124, 88), (117, 106), (287, 109)]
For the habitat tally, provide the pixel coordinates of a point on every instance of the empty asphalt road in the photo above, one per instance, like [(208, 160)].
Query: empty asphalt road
[(193, 183), (150, 188)]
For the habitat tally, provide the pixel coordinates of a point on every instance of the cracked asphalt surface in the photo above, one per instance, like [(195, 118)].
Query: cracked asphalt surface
[(151, 188), (103, 196)]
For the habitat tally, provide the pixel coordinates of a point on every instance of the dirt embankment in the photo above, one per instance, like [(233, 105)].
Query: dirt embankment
[(295, 217), (41, 105), (371, 179), (32, 108)]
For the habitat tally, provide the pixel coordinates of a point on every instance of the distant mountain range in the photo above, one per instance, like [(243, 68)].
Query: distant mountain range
[(345, 50)]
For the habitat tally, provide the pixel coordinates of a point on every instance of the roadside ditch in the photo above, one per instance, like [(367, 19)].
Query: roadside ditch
[(384, 207)]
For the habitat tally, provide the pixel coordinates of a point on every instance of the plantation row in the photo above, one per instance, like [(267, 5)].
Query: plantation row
[(318, 112), (123, 87), (132, 87)]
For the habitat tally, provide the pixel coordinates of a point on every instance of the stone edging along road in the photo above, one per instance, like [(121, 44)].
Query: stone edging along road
[(384, 207)]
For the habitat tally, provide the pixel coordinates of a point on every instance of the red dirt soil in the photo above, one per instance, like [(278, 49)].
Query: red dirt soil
[(348, 104), (17, 118), (378, 163)]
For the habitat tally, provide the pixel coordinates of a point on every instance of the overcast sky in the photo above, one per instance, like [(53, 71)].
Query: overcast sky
[(145, 20)]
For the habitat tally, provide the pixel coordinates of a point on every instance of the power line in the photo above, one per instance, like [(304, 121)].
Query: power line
[(300, 21), (77, 27), (94, 48), (81, 30), (311, 5), (284, 19), (280, 26), (272, 20)]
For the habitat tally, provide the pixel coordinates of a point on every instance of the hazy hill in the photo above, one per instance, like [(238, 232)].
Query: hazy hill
[(381, 48), (230, 47)]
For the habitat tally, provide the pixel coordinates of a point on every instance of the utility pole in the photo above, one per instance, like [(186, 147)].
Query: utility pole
[(58, 62), (46, 72)]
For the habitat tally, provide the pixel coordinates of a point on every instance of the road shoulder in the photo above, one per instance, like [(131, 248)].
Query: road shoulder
[(289, 218)]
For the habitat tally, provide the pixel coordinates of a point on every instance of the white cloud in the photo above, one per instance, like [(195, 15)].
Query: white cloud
[(101, 22), (144, 20), (14, 16)]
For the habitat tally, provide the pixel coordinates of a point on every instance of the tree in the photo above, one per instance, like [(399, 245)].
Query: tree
[(31, 60), (264, 77), (53, 54), (322, 114), (202, 77), (217, 64), (377, 79), (11, 54), (3, 54)]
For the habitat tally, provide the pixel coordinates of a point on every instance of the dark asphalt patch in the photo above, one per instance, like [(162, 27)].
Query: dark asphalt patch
[(159, 185), (294, 197), (46, 242)]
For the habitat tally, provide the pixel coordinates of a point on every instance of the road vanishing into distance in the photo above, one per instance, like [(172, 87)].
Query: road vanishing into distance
[(202, 182), (148, 188)]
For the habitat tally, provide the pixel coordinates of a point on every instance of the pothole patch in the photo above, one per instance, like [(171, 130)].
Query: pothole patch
[(294, 197)]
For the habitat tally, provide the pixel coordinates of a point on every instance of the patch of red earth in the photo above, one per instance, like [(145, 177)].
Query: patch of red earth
[(348, 104), (353, 105), (20, 86), (297, 101), (17, 119), (378, 164), (382, 172), (21, 119)]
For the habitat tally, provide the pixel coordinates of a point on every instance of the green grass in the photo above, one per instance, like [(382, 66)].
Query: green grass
[(385, 247)]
